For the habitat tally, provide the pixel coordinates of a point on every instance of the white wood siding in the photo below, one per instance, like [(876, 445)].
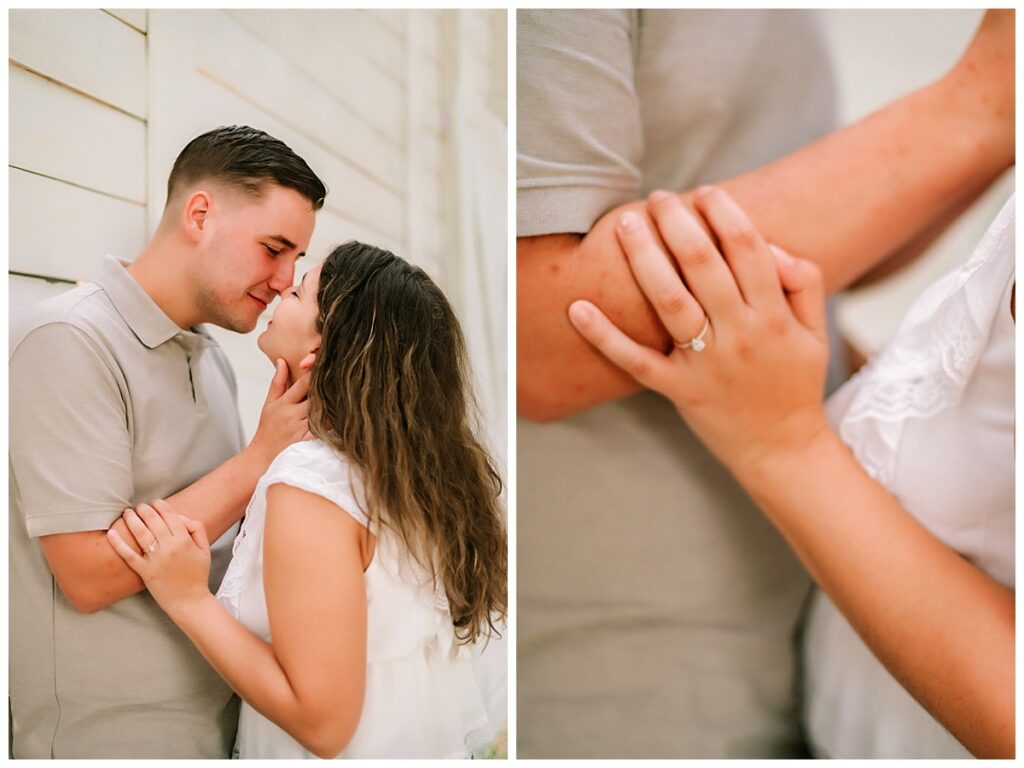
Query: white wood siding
[(77, 146), (66, 53), (64, 231)]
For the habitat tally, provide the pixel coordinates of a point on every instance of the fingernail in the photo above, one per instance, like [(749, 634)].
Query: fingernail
[(657, 196), (579, 313), (703, 190)]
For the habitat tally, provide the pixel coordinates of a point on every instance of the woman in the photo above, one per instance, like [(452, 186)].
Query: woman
[(371, 558), (910, 534)]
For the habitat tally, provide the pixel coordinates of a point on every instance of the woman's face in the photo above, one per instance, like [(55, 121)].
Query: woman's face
[(291, 333)]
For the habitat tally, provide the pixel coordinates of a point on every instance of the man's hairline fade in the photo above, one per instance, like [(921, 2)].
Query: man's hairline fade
[(251, 187)]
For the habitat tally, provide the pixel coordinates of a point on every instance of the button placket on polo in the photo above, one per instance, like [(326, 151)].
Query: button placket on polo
[(192, 346)]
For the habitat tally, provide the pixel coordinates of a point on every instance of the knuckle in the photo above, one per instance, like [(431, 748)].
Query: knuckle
[(637, 366), (741, 236), (673, 300), (699, 254), (716, 193)]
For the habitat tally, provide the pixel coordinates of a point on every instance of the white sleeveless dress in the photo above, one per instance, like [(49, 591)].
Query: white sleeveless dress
[(422, 698), (932, 419)]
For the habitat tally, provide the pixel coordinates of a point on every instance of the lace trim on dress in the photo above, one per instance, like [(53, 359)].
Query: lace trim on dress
[(233, 583), (928, 363)]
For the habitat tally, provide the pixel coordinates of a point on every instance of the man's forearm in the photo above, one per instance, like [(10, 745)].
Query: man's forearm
[(846, 202), (219, 498), (93, 576)]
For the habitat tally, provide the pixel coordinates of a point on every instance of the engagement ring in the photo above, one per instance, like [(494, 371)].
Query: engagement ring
[(697, 343)]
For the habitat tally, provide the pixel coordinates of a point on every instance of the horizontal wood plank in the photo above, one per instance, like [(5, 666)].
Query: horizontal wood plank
[(60, 230), (387, 50), (59, 133), (321, 44), (339, 93), (63, 45)]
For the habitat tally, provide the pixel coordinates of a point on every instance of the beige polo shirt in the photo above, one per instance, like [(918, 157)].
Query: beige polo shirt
[(111, 404)]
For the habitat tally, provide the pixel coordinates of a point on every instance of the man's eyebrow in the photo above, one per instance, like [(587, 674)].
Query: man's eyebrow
[(284, 241)]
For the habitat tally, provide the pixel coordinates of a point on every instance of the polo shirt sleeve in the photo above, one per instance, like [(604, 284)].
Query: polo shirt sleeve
[(70, 448), (579, 137)]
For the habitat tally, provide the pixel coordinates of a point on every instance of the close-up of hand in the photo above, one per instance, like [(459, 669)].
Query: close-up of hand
[(284, 418), (747, 370), (175, 559)]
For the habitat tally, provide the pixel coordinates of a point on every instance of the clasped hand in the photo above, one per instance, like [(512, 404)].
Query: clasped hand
[(175, 559), (754, 382)]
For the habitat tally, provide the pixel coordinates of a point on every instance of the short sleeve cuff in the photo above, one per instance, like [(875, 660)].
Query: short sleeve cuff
[(563, 209), (75, 521)]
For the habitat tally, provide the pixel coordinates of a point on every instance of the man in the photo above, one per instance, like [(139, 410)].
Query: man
[(657, 609), (119, 396)]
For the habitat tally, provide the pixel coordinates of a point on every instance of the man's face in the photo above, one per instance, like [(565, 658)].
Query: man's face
[(247, 253)]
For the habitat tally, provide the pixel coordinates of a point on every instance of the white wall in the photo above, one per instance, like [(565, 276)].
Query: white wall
[(879, 55), (101, 102)]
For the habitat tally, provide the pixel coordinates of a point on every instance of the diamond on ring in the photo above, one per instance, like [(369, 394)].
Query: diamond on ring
[(697, 343), (150, 548)]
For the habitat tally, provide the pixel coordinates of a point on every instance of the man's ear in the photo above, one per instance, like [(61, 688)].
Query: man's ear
[(308, 360), (197, 207)]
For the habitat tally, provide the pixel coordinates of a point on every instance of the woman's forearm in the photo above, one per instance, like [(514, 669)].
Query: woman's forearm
[(942, 627), (248, 664)]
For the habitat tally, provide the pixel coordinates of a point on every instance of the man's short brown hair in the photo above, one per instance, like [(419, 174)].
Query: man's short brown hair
[(245, 158)]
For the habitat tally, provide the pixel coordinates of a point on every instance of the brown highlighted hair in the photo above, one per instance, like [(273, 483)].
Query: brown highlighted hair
[(390, 390), (245, 158)]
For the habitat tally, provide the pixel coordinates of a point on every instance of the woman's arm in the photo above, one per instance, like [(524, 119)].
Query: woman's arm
[(941, 626), (311, 680)]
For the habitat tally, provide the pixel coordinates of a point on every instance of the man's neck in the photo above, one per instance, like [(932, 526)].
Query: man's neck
[(158, 272)]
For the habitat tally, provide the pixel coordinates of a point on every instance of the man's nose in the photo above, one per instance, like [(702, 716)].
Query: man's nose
[(284, 275)]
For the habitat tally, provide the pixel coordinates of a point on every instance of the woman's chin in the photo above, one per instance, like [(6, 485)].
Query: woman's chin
[(263, 347)]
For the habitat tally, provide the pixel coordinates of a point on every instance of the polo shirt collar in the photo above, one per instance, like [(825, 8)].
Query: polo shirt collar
[(148, 322)]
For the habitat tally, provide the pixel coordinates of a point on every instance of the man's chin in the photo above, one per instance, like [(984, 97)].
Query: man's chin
[(241, 324)]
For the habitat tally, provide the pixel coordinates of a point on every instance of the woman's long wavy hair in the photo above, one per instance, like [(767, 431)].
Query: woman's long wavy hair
[(390, 390)]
